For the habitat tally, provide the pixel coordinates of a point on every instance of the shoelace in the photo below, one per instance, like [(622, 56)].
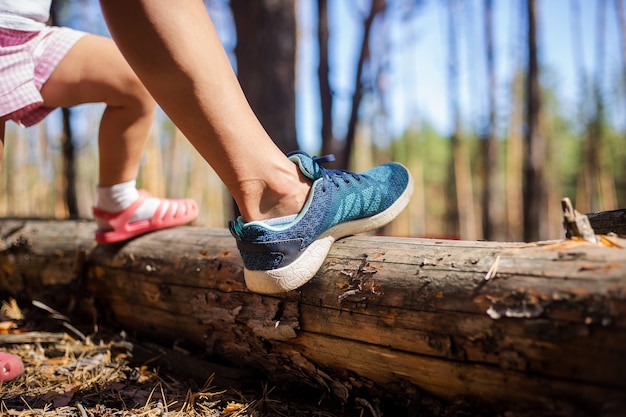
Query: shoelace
[(333, 174)]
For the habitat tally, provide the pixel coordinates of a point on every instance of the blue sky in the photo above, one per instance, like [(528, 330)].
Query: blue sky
[(416, 81)]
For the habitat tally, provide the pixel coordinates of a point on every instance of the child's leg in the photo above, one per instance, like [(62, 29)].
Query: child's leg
[(95, 71)]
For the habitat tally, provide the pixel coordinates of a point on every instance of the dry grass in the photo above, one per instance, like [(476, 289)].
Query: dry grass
[(68, 374), (70, 377)]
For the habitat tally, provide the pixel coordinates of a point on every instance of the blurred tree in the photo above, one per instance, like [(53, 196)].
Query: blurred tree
[(323, 71), (535, 204), (584, 186), (266, 53), (69, 148), (462, 207), (490, 202), (562, 154), (595, 189), (621, 21), (606, 183), (343, 149), (363, 80), (514, 161), (376, 7)]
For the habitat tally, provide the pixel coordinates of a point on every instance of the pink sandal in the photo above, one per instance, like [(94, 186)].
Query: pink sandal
[(11, 366), (122, 229)]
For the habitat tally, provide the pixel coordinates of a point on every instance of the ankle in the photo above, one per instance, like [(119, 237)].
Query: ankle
[(284, 195), (116, 197)]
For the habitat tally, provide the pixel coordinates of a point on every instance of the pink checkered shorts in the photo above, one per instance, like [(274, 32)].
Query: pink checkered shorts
[(27, 59)]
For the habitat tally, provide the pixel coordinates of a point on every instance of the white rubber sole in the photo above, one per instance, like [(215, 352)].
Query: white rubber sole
[(300, 271)]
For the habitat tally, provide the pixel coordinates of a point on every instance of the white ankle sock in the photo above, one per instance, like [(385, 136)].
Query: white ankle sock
[(119, 196), (278, 221), (116, 197)]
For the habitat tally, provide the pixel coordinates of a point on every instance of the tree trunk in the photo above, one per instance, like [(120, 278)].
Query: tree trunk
[(596, 188), (69, 150), (491, 203), (621, 21), (584, 187), (323, 72), (514, 170), (69, 164), (509, 325), (266, 51), (408, 150), (343, 159), (464, 199), (535, 204), (606, 186)]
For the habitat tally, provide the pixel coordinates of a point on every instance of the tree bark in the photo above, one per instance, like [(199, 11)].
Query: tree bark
[(605, 222), (509, 325)]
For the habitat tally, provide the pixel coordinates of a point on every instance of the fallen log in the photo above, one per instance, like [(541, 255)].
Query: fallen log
[(611, 221), (505, 325)]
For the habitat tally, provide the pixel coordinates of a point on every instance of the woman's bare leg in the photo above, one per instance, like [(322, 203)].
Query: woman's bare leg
[(175, 51), (95, 71)]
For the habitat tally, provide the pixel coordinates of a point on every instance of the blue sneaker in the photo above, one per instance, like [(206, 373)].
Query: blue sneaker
[(282, 255)]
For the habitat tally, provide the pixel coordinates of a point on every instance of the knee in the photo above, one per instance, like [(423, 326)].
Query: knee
[(139, 96)]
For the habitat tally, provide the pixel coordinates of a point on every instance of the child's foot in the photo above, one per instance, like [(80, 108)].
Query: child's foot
[(145, 214), (282, 254), (11, 366)]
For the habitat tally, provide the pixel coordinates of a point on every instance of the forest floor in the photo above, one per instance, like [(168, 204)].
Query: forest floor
[(111, 374), (108, 374)]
